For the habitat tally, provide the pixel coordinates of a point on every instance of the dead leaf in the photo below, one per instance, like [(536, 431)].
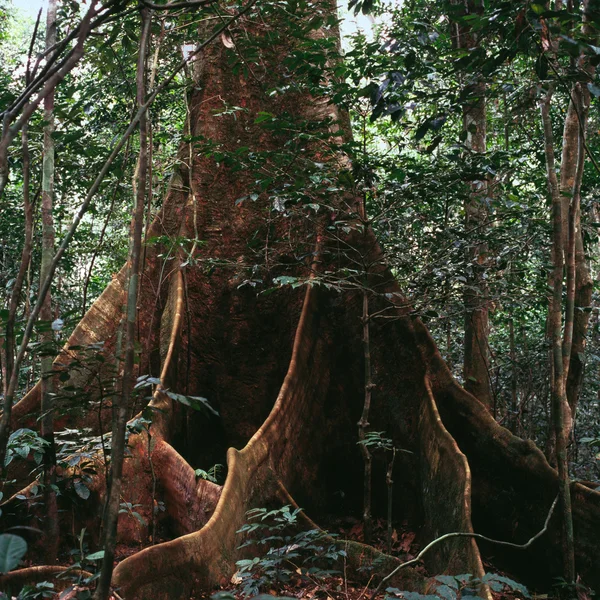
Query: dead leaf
[(407, 540), (227, 41)]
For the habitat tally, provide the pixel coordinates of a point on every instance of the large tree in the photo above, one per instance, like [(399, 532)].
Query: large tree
[(253, 295)]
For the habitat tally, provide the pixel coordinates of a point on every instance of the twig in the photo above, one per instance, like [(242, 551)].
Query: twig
[(175, 5), (31, 44), (465, 534)]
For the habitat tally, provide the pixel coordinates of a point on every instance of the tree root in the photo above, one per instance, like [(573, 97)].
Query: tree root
[(13, 582)]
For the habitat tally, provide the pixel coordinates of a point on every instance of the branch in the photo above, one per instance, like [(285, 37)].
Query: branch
[(50, 68), (469, 535), (31, 44), (175, 5)]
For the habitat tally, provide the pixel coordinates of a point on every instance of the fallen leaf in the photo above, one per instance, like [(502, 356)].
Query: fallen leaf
[(227, 41), (407, 540)]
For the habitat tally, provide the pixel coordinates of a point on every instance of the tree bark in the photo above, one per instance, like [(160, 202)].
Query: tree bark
[(121, 406), (476, 369), (48, 381), (571, 175), (560, 409)]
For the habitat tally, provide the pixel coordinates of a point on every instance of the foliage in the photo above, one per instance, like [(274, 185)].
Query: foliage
[(214, 474), (453, 587), (375, 440), (42, 589), (12, 550), (307, 555), (23, 442)]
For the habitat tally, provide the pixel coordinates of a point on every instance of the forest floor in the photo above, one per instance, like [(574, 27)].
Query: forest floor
[(322, 585), (341, 586)]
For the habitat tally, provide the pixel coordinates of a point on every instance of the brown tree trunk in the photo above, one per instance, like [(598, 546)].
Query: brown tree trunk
[(476, 368), (48, 381), (121, 405), (561, 415), (571, 175)]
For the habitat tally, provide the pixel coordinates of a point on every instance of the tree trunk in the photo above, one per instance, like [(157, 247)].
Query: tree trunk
[(121, 405), (476, 370), (571, 175), (48, 381), (561, 415), (285, 369)]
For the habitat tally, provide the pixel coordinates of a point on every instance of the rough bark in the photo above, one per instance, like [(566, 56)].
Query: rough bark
[(571, 175), (476, 369), (561, 415)]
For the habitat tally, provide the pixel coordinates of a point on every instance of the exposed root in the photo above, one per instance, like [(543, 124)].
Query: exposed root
[(11, 583), (446, 481), (97, 327), (512, 483), (208, 556)]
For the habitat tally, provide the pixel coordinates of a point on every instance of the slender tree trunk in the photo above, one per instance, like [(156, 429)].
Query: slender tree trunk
[(571, 176), (560, 408), (121, 406), (363, 424), (17, 288), (514, 420), (476, 355), (8, 134), (46, 337), (389, 480)]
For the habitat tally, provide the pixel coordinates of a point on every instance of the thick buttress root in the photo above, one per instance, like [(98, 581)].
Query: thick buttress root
[(269, 459)]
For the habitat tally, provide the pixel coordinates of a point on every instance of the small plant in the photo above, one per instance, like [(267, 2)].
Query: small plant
[(573, 589), (307, 555), (129, 508), (213, 474), (375, 440), (42, 589), (22, 443), (12, 550)]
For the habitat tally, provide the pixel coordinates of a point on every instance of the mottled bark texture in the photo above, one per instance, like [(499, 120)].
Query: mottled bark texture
[(285, 370), (571, 175), (561, 415), (476, 369)]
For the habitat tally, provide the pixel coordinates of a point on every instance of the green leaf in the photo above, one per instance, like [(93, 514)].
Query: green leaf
[(264, 116), (12, 550), (195, 402), (95, 555), (82, 490), (448, 580), (284, 280)]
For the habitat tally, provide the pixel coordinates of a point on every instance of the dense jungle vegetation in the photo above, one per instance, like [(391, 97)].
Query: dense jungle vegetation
[(247, 266)]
